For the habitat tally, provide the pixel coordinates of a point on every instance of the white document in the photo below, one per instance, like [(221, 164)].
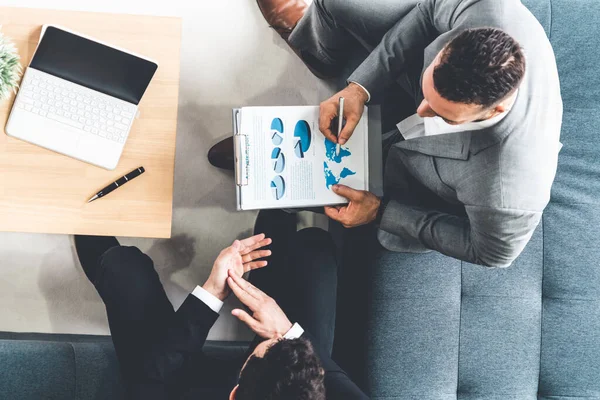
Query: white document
[(284, 161)]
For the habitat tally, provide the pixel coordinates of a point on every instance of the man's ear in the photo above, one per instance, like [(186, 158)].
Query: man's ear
[(500, 108), (233, 392)]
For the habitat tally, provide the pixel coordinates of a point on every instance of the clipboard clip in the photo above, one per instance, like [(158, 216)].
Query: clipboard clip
[(242, 162)]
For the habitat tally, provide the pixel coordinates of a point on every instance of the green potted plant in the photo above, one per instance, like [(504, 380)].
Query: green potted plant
[(10, 68)]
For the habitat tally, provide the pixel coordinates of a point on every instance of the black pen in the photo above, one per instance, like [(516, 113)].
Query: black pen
[(118, 183)]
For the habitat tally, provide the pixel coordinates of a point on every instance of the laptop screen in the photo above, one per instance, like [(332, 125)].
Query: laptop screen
[(93, 65)]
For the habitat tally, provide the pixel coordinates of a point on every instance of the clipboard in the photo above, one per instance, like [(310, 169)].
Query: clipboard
[(242, 142), (241, 156)]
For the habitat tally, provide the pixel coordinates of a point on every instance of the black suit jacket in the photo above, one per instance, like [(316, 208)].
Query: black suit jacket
[(175, 367)]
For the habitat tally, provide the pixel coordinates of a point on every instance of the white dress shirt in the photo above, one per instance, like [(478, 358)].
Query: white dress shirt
[(210, 300), (216, 305), (363, 88)]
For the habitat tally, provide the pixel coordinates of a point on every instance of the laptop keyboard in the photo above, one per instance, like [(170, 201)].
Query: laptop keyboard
[(76, 106)]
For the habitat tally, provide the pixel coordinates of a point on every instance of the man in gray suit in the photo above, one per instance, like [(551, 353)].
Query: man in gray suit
[(470, 173)]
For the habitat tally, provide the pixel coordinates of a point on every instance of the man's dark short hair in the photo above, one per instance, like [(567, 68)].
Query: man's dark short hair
[(290, 369), (480, 66)]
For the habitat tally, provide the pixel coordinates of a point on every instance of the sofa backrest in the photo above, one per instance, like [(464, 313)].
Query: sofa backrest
[(80, 367), (36, 366)]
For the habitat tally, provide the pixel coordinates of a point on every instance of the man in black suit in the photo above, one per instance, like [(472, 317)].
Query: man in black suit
[(160, 351)]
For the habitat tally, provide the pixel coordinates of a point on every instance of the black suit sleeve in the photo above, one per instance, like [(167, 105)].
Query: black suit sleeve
[(338, 384), (168, 362)]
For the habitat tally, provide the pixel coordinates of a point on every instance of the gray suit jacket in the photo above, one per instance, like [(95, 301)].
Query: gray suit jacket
[(502, 175)]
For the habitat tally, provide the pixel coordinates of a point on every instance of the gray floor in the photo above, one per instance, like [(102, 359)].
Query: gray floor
[(229, 58)]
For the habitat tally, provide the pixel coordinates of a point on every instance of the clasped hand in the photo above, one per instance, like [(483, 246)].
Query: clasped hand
[(267, 320), (240, 257)]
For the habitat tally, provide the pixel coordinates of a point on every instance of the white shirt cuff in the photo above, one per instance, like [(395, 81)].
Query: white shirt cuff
[(210, 300), (294, 333), (365, 89)]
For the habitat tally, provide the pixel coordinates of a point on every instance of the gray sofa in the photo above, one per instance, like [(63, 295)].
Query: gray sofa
[(437, 328), (443, 329)]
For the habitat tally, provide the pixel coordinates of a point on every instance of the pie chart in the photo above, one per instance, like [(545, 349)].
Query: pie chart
[(298, 150), (302, 137), (278, 160), (278, 187), (277, 131)]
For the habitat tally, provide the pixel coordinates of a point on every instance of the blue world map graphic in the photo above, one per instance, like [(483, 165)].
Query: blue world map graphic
[(330, 152)]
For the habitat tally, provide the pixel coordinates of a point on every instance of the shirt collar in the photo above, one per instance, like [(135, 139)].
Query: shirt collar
[(458, 144), (437, 126)]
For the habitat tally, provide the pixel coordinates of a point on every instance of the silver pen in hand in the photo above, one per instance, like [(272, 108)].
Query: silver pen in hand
[(340, 124)]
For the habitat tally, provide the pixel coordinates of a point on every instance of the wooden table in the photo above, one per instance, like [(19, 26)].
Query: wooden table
[(41, 191)]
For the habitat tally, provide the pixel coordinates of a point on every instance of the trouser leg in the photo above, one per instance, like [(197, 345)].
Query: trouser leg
[(354, 298), (312, 269), (302, 278), (332, 28), (137, 306)]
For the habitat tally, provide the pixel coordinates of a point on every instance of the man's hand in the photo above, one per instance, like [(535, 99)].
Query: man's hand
[(240, 258), (268, 320), (354, 105), (361, 210)]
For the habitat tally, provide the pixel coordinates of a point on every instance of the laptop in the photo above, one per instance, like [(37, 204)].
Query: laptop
[(79, 97)]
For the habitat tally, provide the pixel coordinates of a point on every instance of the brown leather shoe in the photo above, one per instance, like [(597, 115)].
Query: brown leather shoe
[(221, 154), (282, 15)]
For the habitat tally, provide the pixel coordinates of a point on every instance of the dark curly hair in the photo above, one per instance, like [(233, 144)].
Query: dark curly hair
[(290, 370), (479, 66)]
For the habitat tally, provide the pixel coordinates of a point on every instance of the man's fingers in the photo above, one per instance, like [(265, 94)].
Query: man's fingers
[(240, 293), (348, 130), (255, 255), (349, 193), (246, 286), (330, 136), (251, 241), (335, 213), (262, 243), (254, 265), (327, 113), (236, 246), (340, 215), (245, 318), (331, 212)]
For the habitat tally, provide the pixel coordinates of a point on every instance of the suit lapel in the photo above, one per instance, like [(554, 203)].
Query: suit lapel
[(455, 145)]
